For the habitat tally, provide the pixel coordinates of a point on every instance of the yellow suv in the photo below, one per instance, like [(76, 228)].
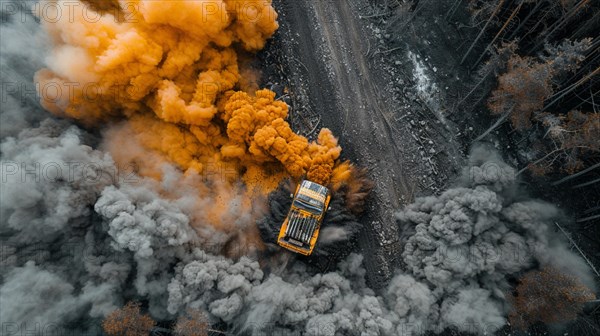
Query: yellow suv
[(300, 229)]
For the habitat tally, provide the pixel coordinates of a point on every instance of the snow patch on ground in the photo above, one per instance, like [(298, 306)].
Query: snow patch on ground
[(426, 87)]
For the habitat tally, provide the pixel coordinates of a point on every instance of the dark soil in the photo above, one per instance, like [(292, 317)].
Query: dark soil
[(329, 64), (388, 82)]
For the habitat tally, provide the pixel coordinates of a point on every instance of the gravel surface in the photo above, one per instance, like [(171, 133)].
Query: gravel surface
[(330, 66)]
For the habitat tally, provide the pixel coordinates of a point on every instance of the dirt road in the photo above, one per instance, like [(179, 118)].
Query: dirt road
[(326, 48)]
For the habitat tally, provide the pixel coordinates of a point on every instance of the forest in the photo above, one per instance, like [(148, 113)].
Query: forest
[(536, 67), (541, 59), (532, 70)]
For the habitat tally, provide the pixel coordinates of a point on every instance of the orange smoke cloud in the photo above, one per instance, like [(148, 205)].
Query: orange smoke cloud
[(256, 127), (174, 57), (168, 71)]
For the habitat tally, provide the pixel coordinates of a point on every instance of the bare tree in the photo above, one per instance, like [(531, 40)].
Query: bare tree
[(193, 323), (483, 30), (560, 23), (128, 321), (499, 33), (522, 89), (549, 296), (496, 64)]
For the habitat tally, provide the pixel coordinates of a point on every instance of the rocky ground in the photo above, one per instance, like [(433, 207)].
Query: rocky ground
[(389, 83), (332, 62)]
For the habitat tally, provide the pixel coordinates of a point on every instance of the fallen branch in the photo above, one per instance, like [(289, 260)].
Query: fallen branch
[(482, 31), (578, 249), (546, 156), (495, 125), (587, 183), (570, 177), (587, 219), (374, 15), (314, 128), (385, 51)]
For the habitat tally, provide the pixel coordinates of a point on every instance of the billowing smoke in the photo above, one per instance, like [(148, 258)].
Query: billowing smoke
[(173, 162), (461, 249), (154, 195), (466, 244), (22, 54), (159, 78), (131, 243), (169, 68)]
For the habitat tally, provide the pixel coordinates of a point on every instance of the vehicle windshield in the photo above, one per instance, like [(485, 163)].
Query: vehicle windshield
[(308, 207)]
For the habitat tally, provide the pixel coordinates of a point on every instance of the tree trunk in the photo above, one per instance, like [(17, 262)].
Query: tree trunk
[(474, 88), (559, 95), (522, 24), (570, 177), (587, 26), (559, 23), (539, 22), (514, 13), (482, 31), (578, 249), (495, 125), (453, 9)]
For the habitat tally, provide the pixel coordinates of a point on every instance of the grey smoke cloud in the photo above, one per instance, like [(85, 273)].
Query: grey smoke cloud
[(467, 242), (21, 55), (56, 178), (50, 298), (55, 269)]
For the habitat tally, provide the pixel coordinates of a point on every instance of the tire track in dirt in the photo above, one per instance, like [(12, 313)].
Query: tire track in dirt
[(325, 45), (363, 104)]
